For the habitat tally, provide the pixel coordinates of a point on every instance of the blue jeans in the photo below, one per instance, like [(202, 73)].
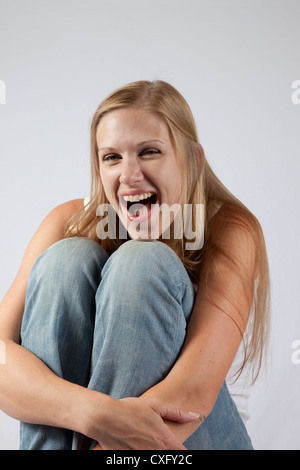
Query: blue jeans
[(114, 324)]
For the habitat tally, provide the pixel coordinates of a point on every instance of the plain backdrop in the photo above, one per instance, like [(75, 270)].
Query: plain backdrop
[(235, 62)]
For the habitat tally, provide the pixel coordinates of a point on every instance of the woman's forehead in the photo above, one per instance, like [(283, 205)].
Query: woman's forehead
[(126, 123)]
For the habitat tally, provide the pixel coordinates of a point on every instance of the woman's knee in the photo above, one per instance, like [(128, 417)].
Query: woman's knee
[(150, 258), (145, 256), (146, 248), (64, 278), (69, 258), (145, 268)]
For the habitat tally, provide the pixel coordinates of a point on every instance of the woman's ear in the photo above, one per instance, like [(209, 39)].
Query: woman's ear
[(200, 157)]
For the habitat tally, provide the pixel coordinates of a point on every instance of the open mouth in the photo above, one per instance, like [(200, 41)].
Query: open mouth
[(138, 206)]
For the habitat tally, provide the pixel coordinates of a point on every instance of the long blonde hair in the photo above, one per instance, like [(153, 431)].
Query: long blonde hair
[(199, 185)]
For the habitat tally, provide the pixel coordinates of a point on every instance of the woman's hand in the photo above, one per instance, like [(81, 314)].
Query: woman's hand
[(137, 424)]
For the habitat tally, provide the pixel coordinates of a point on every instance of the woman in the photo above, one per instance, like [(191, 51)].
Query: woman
[(128, 331)]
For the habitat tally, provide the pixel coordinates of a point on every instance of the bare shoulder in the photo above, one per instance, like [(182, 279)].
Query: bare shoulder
[(51, 229), (66, 210), (235, 231), (234, 220)]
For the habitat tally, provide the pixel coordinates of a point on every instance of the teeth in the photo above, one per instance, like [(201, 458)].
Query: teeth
[(137, 197)]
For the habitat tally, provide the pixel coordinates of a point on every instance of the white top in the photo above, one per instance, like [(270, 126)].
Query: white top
[(238, 388)]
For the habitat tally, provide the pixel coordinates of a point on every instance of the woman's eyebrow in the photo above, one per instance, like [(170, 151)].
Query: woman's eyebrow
[(150, 141), (106, 149), (140, 144)]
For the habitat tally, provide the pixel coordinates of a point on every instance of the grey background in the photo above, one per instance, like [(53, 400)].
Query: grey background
[(234, 61)]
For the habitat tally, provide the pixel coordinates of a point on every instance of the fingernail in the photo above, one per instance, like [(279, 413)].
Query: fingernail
[(194, 415)]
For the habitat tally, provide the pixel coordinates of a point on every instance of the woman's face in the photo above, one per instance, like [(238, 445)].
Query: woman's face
[(139, 170)]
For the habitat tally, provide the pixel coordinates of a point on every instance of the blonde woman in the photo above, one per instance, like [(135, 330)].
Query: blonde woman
[(137, 300)]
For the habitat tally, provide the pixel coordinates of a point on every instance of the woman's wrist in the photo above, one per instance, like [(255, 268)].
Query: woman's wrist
[(87, 411)]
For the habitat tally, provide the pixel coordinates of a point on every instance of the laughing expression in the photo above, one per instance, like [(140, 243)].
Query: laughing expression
[(138, 168)]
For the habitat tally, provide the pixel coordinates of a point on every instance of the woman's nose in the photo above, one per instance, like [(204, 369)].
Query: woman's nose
[(131, 173)]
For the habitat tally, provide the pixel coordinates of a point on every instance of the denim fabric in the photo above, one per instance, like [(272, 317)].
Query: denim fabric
[(114, 324)]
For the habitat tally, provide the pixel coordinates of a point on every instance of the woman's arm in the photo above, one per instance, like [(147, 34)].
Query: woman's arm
[(214, 332), (23, 376), (30, 392)]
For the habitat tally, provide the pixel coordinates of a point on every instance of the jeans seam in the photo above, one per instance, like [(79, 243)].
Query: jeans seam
[(179, 286)]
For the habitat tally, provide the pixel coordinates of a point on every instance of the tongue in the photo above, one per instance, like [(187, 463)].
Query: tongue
[(137, 209)]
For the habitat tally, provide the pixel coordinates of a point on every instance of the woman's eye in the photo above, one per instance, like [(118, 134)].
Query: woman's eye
[(110, 158), (150, 152)]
